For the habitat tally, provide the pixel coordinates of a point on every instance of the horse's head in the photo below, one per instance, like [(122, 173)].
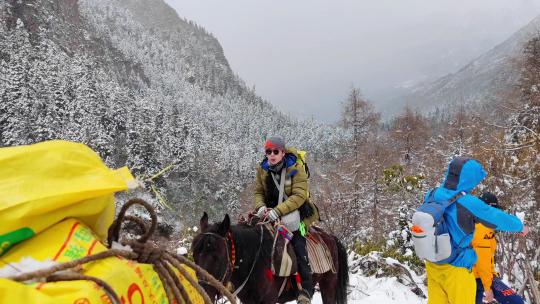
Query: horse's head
[(211, 251)]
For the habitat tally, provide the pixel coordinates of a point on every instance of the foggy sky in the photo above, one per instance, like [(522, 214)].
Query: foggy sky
[(304, 55)]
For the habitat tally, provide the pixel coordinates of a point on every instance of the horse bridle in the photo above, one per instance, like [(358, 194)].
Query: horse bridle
[(230, 266), (231, 257)]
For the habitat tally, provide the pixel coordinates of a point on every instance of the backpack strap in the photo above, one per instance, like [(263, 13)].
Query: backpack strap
[(455, 198), (431, 194), (306, 167), (449, 202)]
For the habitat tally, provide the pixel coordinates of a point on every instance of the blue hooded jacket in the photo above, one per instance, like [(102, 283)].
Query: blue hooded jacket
[(464, 174)]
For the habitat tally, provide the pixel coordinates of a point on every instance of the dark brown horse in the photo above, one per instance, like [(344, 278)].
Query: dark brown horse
[(241, 255)]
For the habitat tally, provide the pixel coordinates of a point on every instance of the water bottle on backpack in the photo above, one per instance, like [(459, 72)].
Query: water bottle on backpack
[(430, 234)]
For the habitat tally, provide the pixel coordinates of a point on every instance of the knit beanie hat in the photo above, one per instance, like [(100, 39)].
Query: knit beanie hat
[(275, 142)]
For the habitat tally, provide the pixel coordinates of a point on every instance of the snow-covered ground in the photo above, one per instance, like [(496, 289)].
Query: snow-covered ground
[(377, 290)]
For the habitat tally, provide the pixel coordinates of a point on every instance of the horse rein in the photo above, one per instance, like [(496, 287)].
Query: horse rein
[(237, 291)]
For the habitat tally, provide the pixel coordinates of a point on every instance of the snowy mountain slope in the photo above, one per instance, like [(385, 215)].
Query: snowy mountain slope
[(480, 81), (143, 87)]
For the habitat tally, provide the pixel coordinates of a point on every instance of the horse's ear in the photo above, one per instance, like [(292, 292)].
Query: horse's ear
[(225, 225), (204, 222)]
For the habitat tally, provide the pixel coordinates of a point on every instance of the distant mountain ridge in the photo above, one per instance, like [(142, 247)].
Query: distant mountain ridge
[(480, 81)]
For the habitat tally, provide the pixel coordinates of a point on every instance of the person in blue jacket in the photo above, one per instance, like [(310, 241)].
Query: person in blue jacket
[(454, 282)]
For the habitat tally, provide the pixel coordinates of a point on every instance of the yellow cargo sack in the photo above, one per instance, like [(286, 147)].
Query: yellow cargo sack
[(70, 240), (45, 183)]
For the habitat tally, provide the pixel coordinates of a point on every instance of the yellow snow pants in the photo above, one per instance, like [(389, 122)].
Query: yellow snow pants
[(449, 284)]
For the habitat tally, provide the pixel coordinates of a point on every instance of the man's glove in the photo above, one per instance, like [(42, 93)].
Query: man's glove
[(273, 215), (261, 211)]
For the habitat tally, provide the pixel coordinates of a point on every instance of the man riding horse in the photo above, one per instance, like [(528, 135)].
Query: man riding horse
[(282, 193)]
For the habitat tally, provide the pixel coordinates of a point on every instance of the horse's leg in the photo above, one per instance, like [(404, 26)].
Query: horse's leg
[(334, 285), (328, 285)]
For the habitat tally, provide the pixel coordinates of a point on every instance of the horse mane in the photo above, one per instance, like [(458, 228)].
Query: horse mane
[(246, 238)]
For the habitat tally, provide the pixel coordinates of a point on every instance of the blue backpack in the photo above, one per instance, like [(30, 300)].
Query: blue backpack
[(430, 235)]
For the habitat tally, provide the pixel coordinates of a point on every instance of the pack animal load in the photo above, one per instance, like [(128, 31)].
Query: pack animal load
[(57, 207)]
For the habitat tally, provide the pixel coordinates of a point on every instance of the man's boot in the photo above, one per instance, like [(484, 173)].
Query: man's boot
[(304, 269)]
